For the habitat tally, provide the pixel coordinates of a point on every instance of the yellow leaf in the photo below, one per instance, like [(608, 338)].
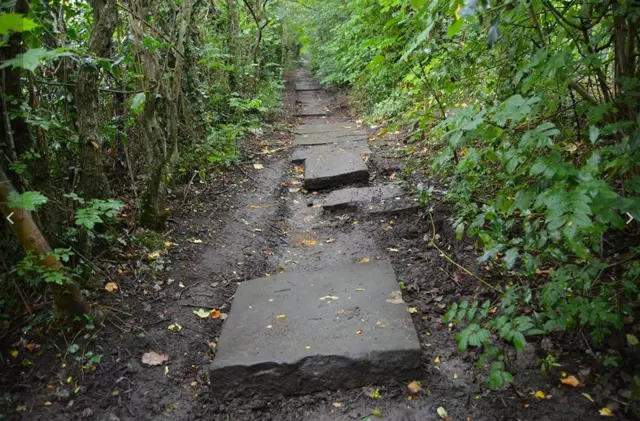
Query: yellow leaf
[(412, 310), (175, 326), (168, 244), (166, 370), (14, 353), (571, 381), (437, 360), (69, 379), (299, 169), (606, 412), (359, 289), (258, 166), (632, 340), (310, 242), (47, 403), (541, 395), (358, 332), (365, 260), (328, 297), (281, 316), (414, 387), (111, 287), (194, 384), (307, 347), (154, 255)]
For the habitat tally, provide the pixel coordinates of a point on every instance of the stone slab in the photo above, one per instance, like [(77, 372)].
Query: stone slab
[(299, 333), (335, 171), (302, 154), (329, 127), (384, 199), (311, 110), (325, 138), (308, 86)]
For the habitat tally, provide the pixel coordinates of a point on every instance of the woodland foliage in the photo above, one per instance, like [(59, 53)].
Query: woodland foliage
[(527, 111), (107, 106)]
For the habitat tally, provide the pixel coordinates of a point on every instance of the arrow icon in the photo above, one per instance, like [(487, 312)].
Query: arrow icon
[(9, 218)]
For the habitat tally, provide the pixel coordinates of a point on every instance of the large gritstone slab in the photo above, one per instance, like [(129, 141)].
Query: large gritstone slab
[(301, 154), (329, 127), (378, 199), (325, 138), (299, 333), (334, 171), (308, 86)]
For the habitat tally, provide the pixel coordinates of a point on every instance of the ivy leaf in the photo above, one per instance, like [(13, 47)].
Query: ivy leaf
[(29, 200), (15, 22)]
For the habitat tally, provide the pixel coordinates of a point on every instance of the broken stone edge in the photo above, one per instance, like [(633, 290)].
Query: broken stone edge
[(316, 373)]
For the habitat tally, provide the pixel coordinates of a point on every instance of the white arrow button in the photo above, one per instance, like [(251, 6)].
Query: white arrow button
[(9, 218)]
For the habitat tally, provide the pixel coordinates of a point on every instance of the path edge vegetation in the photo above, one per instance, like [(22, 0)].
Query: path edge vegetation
[(526, 112)]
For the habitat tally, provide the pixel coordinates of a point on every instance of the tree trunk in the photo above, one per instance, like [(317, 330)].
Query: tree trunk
[(233, 34), (14, 132), (67, 297), (94, 182)]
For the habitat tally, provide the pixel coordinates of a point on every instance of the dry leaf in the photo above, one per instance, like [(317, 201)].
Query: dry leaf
[(414, 387), (437, 360), (307, 347), (540, 395), (394, 250), (606, 412), (258, 166), (299, 169), (571, 381), (194, 240), (154, 255), (111, 287), (331, 240), (358, 332), (175, 326), (588, 397), (281, 316), (310, 242), (153, 358), (380, 325), (359, 289), (412, 310), (337, 405), (395, 297), (365, 260), (215, 313)]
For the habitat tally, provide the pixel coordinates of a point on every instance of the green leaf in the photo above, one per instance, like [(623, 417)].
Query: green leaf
[(417, 4), (594, 134), (29, 200), (137, 102), (32, 58), (510, 257), (518, 340), (202, 313), (455, 27), (15, 22)]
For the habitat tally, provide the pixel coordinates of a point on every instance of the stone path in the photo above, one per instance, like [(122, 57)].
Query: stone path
[(333, 318)]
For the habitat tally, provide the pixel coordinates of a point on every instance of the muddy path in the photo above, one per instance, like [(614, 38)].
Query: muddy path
[(256, 220)]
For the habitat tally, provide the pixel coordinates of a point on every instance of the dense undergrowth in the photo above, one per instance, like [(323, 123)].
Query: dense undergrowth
[(527, 111), (108, 108)]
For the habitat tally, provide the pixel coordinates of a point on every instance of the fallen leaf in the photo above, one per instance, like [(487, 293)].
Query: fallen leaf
[(215, 313), (202, 313), (365, 260), (154, 255), (437, 360), (14, 353), (414, 387), (380, 325), (395, 297), (194, 384), (153, 358), (281, 316), (310, 242), (359, 289), (540, 395), (21, 408), (166, 370), (455, 376), (269, 326), (376, 412), (412, 310), (442, 413), (111, 287), (307, 347), (394, 250), (331, 240), (606, 412), (358, 332), (32, 347), (329, 297), (337, 405), (355, 222), (632, 340), (47, 403), (168, 244), (258, 166), (194, 240), (299, 169), (175, 326), (588, 397), (571, 381)]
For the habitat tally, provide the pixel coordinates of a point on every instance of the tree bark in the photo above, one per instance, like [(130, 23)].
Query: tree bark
[(67, 297), (233, 33), (94, 183)]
